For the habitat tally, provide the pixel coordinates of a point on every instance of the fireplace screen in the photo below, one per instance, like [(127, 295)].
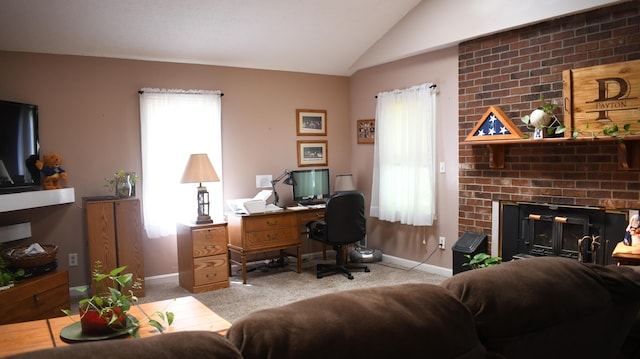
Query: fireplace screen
[(556, 236), (587, 234)]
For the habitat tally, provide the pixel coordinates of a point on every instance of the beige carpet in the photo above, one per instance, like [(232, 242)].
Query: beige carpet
[(275, 287)]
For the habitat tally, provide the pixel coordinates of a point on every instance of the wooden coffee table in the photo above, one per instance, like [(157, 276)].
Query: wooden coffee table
[(190, 314)]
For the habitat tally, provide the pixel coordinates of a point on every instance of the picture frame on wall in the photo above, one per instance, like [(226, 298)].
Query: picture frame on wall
[(366, 131), (311, 122), (312, 153)]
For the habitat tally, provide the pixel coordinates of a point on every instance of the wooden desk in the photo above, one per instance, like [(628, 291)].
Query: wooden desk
[(190, 314), (626, 255), (264, 232)]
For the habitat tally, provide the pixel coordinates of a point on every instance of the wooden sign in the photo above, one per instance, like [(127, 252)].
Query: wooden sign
[(599, 97)]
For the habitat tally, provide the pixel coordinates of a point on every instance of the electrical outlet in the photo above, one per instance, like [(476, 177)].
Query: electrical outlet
[(441, 242), (73, 259)]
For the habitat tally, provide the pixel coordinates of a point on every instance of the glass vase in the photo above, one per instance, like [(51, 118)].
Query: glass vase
[(124, 186)]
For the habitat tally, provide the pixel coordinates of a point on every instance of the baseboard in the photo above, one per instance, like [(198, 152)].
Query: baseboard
[(161, 276), (445, 272)]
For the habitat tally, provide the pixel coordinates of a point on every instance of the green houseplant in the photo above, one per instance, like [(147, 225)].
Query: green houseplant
[(613, 131), (482, 260), (7, 276), (543, 118), (107, 311)]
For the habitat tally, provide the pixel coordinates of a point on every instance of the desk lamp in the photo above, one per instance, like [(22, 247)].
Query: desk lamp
[(344, 183), (290, 181), (198, 170)]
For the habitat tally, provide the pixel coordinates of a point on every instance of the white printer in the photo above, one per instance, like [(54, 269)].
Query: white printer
[(257, 204)]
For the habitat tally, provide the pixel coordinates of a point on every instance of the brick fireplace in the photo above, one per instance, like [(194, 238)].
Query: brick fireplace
[(512, 70)]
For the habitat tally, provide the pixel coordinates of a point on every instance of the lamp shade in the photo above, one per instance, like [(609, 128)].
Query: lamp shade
[(344, 183), (199, 169)]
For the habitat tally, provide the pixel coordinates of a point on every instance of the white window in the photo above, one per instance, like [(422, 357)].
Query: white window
[(403, 188), (174, 125)]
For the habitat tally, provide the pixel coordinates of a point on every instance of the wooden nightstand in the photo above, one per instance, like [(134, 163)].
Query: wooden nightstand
[(203, 261)]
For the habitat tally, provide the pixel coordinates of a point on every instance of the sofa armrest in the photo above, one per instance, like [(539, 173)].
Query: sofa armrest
[(550, 307)]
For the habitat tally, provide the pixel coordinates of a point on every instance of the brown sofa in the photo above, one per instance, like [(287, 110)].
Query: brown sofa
[(533, 308)]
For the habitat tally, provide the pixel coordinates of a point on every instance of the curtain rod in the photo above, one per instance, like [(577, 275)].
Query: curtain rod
[(431, 87), (140, 92)]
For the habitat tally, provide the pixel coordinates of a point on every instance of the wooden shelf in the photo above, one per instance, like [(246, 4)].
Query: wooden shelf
[(628, 148), (33, 199)]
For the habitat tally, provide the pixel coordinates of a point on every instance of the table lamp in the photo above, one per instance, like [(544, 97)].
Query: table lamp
[(344, 183), (290, 181), (199, 169)]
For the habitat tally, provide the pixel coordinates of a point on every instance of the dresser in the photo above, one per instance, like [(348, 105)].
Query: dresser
[(114, 234), (268, 232), (202, 256), (39, 297)]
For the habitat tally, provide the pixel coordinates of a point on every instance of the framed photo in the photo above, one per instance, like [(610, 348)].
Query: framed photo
[(312, 153), (366, 131), (311, 122)]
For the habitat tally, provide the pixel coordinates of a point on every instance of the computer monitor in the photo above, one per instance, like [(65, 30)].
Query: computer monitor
[(310, 185)]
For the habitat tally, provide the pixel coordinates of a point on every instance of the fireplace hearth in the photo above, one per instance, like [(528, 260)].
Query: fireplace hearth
[(586, 234)]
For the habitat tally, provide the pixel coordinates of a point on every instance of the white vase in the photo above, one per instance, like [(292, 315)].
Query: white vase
[(539, 119)]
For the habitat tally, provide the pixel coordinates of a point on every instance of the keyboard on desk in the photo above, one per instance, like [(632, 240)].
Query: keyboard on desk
[(312, 202)]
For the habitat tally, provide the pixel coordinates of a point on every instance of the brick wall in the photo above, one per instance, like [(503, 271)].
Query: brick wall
[(512, 70)]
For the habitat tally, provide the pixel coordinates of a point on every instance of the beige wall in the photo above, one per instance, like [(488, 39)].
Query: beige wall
[(89, 114), (441, 68)]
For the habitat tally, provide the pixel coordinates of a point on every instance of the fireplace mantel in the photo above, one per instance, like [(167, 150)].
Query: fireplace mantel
[(34, 199), (628, 148)]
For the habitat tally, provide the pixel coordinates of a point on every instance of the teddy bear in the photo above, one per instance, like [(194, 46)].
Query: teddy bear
[(52, 171)]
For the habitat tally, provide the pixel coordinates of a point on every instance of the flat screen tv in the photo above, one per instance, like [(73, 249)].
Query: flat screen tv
[(19, 147), (310, 186)]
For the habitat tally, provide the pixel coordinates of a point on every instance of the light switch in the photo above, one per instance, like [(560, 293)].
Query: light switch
[(263, 181), (442, 167)]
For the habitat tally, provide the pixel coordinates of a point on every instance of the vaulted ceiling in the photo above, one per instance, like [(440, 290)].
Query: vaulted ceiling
[(335, 37)]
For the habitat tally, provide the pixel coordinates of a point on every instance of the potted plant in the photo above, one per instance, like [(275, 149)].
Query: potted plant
[(482, 260), (123, 182), (107, 311), (544, 121), (8, 277)]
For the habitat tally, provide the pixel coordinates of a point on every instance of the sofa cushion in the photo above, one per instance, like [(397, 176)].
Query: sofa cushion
[(403, 321), (189, 344), (550, 307)]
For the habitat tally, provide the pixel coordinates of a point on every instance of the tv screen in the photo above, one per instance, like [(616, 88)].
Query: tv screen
[(19, 147), (310, 185)]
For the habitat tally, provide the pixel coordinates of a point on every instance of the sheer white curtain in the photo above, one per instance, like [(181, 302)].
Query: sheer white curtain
[(403, 188), (174, 124)]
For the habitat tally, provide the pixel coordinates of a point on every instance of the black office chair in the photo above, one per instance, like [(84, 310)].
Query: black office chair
[(344, 223)]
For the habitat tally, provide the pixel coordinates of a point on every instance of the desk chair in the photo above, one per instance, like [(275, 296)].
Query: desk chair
[(344, 223)]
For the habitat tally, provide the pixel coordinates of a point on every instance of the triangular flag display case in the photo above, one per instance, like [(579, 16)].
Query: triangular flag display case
[(494, 125)]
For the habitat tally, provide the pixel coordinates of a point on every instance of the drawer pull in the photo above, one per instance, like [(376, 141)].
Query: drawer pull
[(272, 222), (272, 236), (211, 275), (210, 247), (36, 298)]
